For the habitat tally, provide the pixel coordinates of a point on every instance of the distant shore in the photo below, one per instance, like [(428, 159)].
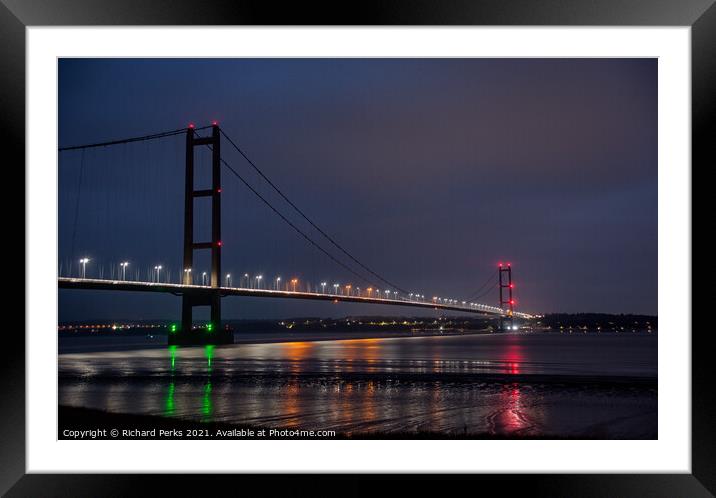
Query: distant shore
[(80, 344)]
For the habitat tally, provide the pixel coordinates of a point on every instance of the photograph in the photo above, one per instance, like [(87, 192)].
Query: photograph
[(357, 248)]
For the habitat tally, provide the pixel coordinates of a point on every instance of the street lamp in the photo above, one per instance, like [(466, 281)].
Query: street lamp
[(278, 283), (84, 262), (248, 280), (203, 278), (124, 265), (258, 281), (370, 291), (387, 294), (158, 268), (335, 289), (228, 279), (294, 281), (348, 290), (187, 276), (323, 287)]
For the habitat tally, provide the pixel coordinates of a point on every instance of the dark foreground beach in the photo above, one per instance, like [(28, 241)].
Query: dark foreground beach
[(501, 386)]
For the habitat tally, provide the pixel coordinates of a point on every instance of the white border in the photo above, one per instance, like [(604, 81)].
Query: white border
[(670, 453)]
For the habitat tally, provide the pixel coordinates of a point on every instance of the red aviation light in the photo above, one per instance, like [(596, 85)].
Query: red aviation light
[(214, 123), (191, 125), (218, 243)]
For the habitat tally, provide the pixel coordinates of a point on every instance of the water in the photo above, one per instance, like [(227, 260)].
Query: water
[(561, 385)]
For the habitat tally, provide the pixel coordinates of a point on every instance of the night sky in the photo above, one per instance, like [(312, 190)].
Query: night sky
[(430, 171)]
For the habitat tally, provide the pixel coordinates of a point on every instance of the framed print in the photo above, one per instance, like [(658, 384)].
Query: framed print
[(432, 239)]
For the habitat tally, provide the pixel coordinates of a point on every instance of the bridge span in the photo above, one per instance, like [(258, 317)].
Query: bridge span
[(183, 289), (208, 139)]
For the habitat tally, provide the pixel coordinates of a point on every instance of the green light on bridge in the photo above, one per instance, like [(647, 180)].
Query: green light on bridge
[(173, 328), (209, 327)]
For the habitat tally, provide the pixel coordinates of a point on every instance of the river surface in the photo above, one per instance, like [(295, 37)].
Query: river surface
[(494, 385)]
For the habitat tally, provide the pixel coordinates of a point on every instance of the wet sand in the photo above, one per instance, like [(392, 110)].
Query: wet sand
[(506, 386)]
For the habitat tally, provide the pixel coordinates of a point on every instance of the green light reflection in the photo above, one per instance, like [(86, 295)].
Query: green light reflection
[(206, 405), (209, 352), (169, 406)]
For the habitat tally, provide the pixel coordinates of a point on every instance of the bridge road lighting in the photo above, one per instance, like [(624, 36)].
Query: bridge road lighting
[(348, 290), (158, 269), (203, 278), (258, 281), (335, 289), (228, 279), (84, 262), (124, 265), (323, 287), (370, 291), (278, 283), (387, 294), (294, 281), (187, 276)]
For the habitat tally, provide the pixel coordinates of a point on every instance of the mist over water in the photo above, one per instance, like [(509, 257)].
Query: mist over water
[(562, 385)]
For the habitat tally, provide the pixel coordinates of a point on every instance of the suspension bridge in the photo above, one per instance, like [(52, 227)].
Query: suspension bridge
[(207, 288)]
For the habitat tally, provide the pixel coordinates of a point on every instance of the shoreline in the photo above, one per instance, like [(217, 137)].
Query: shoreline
[(124, 342), (130, 342), (592, 381)]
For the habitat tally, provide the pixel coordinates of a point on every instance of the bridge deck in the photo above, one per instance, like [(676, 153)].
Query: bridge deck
[(179, 289)]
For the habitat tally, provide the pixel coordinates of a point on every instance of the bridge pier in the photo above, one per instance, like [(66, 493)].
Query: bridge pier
[(212, 332), (207, 333), (506, 323)]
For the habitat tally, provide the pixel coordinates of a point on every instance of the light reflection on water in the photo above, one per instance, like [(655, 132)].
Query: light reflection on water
[(390, 385)]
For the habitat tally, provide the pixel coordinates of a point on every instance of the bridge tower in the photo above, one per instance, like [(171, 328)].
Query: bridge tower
[(212, 332), (506, 286)]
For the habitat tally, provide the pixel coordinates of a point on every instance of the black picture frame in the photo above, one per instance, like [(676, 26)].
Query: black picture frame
[(16, 15)]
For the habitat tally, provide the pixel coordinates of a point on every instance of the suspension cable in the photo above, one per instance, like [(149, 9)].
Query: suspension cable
[(486, 292), (129, 140), (472, 296), (305, 217), (303, 234), (77, 204), (292, 225)]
